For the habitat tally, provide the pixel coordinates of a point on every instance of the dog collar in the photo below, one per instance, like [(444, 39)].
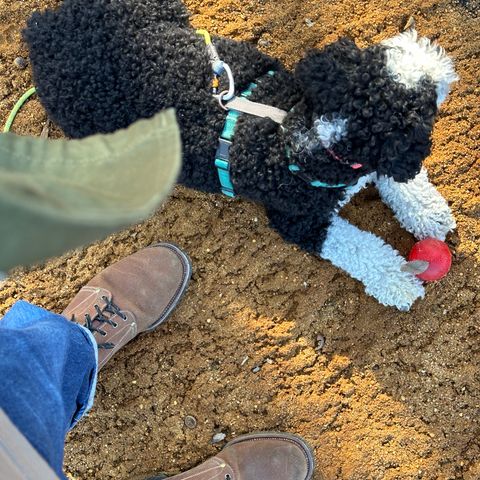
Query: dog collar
[(296, 170)]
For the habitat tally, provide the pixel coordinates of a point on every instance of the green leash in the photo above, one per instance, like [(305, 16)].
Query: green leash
[(17, 107)]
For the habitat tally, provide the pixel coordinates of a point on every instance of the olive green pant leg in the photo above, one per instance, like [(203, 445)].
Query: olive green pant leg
[(59, 194)]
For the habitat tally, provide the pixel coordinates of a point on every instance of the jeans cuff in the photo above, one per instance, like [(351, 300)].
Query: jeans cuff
[(88, 405)]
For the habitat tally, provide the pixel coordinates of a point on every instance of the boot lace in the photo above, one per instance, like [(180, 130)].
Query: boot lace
[(100, 317)]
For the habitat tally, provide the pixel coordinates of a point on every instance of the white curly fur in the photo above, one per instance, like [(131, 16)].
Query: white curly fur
[(330, 131), (351, 191), (376, 264), (409, 59), (418, 206)]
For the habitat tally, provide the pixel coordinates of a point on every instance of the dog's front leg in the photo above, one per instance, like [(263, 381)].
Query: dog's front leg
[(376, 264), (418, 206)]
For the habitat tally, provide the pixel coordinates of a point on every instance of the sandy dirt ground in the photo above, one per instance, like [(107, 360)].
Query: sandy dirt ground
[(390, 395)]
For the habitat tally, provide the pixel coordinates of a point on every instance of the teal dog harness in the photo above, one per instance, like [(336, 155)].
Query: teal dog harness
[(222, 157), (235, 107)]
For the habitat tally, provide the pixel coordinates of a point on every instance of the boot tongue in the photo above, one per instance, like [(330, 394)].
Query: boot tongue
[(85, 301)]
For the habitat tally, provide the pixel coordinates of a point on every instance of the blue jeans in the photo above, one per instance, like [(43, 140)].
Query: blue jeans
[(48, 368)]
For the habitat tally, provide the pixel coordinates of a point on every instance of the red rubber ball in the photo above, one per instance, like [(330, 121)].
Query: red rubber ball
[(437, 254)]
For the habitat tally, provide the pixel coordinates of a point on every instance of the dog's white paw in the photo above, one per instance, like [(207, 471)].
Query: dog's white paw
[(435, 223), (376, 264), (395, 288), (418, 206)]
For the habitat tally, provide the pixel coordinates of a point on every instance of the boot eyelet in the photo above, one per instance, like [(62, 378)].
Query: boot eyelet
[(114, 324), (228, 476), (103, 334)]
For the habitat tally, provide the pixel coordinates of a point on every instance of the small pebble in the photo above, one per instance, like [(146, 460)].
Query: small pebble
[(20, 63), (349, 392), (218, 437), (244, 361), (309, 22), (190, 422), (256, 369), (320, 342)]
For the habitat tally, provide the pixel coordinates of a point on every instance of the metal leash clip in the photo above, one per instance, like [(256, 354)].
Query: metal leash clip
[(219, 68)]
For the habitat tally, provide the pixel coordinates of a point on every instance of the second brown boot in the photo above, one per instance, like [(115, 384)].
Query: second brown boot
[(131, 296), (258, 456)]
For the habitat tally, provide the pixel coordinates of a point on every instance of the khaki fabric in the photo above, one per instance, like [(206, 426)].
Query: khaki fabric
[(18, 459), (59, 194)]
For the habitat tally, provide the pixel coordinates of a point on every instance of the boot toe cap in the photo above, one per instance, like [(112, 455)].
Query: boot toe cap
[(269, 456)]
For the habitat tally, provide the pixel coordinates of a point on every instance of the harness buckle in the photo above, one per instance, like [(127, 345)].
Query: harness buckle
[(223, 149), (222, 157)]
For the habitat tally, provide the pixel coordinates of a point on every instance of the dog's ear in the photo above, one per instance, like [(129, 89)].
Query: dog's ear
[(323, 74), (409, 59), (404, 150)]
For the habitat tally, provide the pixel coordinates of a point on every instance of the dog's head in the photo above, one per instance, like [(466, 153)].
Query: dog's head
[(373, 107)]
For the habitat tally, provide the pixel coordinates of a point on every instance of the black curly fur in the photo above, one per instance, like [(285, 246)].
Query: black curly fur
[(100, 65)]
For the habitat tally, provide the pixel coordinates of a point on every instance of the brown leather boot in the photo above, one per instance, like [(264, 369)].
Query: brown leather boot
[(131, 296), (258, 456)]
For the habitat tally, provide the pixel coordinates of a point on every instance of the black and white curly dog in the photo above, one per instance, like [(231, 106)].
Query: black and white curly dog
[(354, 116)]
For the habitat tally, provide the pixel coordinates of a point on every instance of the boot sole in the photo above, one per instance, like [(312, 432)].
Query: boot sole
[(187, 273), (298, 441)]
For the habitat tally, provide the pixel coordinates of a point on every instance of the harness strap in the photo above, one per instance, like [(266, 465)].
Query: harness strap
[(242, 104), (222, 155)]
